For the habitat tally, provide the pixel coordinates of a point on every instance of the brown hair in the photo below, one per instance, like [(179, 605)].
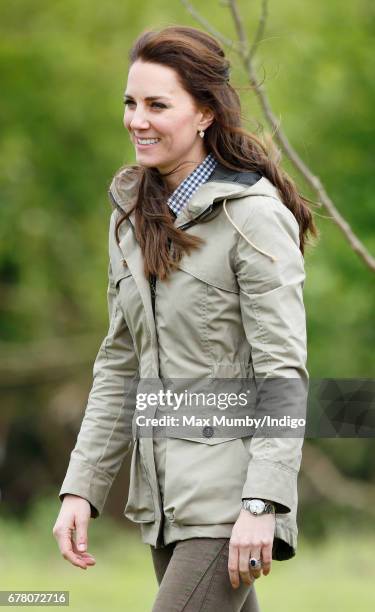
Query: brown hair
[(203, 70)]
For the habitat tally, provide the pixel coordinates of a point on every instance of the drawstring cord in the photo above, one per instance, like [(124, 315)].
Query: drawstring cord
[(272, 257)]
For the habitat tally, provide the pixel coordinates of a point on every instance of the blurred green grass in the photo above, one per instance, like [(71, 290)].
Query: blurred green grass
[(319, 577)]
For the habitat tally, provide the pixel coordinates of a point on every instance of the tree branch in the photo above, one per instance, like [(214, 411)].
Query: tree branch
[(311, 179), (260, 29), (228, 42)]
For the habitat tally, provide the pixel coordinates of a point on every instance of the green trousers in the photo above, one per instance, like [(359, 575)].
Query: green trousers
[(193, 577)]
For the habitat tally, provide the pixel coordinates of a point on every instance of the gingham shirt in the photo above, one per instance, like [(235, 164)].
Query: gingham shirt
[(182, 194)]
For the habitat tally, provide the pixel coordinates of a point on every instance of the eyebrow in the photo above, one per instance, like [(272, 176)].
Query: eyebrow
[(149, 98)]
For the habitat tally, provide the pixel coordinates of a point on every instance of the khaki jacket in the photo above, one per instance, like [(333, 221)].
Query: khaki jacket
[(233, 309)]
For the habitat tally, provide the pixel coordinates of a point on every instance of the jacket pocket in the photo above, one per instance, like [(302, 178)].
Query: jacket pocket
[(140, 505), (213, 275), (204, 480)]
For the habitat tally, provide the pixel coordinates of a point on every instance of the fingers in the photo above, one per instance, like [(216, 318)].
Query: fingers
[(69, 547), (265, 554), (238, 563), (84, 556), (255, 554), (80, 544), (233, 565), (244, 555), (267, 559), (81, 524), (65, 542)]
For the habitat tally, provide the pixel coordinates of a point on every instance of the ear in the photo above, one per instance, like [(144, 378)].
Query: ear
[(207, 117)]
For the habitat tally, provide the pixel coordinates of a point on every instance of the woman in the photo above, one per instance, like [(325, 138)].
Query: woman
[(206, 272)]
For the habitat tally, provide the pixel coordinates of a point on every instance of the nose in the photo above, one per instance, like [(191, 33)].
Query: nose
[(139, 120)]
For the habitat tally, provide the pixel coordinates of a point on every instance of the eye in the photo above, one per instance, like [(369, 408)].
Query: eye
[(158, 105)]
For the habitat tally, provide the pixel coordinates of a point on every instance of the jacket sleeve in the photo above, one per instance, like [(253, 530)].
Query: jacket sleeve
[(273, 316), (105, 434)]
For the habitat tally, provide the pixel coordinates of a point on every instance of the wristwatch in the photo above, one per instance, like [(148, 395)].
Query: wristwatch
[(258, 506)]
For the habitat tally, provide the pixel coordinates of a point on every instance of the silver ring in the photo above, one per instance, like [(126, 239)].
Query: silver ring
[(255, 563)]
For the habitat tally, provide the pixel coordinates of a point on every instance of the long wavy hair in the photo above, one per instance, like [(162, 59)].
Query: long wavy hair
[(203, 71)]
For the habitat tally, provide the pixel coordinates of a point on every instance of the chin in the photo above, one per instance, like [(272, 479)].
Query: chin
[(147, 163), (154, 163)]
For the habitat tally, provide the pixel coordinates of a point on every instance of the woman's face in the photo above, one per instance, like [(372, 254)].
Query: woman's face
[(157, 107)]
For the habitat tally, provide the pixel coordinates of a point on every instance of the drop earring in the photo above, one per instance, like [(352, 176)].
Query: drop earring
[(201, 133)]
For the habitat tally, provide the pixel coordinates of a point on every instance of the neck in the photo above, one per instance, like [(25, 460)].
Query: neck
[(180, 171)]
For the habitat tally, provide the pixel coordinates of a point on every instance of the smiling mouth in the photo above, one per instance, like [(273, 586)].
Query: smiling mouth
[(147, 141)]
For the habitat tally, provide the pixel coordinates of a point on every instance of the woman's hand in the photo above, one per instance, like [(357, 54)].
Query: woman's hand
[(73, 518), (252, 536)]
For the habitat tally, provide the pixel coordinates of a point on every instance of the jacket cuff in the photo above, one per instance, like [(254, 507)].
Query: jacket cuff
[(267, 480), (86, 481)]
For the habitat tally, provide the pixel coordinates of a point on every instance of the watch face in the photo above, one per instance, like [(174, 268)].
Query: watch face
[(256, 506)]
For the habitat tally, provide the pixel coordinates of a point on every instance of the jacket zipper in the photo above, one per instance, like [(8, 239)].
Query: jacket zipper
[(153, 291)]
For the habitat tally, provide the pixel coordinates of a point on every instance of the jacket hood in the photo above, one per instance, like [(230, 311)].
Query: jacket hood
[(224, 184)]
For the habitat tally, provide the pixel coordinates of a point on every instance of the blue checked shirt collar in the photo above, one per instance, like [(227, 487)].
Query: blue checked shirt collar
[(182, 194)]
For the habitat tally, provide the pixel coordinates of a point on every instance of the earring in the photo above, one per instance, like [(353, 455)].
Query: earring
[(201, 133)]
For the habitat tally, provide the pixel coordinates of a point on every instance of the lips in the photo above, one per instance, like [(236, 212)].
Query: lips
[(147, 143), (146, 138)]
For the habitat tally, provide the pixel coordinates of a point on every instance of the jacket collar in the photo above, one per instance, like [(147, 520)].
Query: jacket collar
[(223, 183)]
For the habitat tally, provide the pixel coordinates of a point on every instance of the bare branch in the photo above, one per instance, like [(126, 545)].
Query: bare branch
[(240, 28), (260, 29), (225, 41), (292, 154), (311, 179)]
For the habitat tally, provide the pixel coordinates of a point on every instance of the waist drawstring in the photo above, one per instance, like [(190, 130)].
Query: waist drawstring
[(272, 257)]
